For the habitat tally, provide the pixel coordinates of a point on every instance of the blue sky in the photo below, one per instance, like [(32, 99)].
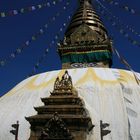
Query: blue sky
[(16, 30)]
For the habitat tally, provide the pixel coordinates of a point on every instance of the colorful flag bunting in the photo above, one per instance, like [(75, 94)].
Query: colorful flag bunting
[(40, 60), (28, 9), (118, 25), (33, 38), (124, 7)]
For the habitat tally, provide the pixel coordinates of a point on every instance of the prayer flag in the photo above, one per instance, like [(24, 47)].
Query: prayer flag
[(39, 6), (3, 14), (13, 55), (33, 8), (48, 4), (22, 10), (41, 31), (33, 38), (27, 43), (54, 2), (46, 25), (15, 12), (2, 63)]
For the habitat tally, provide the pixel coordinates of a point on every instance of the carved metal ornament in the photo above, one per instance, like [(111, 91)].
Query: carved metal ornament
[(55, 129), (64, 84)]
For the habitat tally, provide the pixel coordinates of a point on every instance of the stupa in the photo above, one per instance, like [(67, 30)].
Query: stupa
[(91, 101)]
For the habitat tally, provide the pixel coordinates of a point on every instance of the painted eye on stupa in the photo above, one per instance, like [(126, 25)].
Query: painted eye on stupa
[(77, 65), (91, 64)]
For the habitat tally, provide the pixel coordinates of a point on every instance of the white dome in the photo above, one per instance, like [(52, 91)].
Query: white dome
[(110, 95)]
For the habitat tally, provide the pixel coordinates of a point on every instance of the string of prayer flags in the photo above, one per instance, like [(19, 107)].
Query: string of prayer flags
[(131, 29), (124, 7), (40, 60), (122, 31), (34, 37), (117, 25), (124, 61), (52, 44), (28, 9)]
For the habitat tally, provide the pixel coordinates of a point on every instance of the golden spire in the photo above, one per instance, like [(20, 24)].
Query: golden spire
[(86, 42), (86, 14)]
